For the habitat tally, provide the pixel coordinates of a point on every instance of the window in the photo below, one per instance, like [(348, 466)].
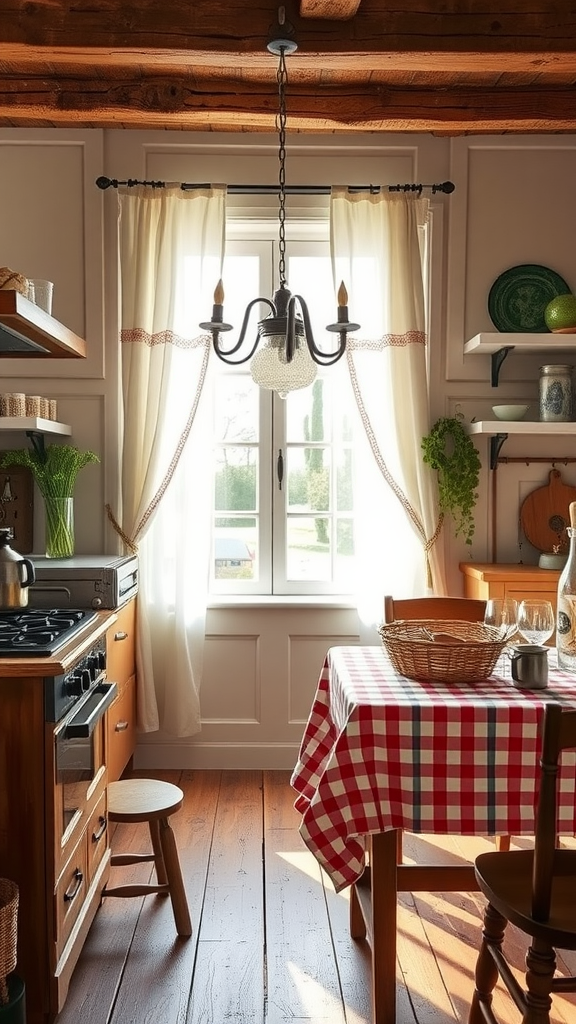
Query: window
[(283, 493)]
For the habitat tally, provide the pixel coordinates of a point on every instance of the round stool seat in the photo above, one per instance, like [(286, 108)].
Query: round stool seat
[(133, 800)]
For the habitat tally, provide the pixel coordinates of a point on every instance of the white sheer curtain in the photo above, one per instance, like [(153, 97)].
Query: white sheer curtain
[(171, 251), (377, 249)]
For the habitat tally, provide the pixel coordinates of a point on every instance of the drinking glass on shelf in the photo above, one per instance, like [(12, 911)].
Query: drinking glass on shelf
[(536, 621)]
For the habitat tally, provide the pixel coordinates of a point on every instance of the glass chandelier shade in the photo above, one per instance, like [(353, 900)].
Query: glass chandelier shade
[(284, 353)]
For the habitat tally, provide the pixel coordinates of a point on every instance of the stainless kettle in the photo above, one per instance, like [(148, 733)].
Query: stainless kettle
[(16, 575)]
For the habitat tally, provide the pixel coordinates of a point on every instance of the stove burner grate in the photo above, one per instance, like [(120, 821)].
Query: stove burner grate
[(35, 631)]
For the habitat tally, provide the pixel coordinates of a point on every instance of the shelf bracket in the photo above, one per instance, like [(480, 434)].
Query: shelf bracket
[(496, 442), (496, 359), (38, 443)]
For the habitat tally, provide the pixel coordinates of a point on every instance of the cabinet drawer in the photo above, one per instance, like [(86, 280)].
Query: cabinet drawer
[(120, 656), (70, 894), (121, 730), (97, 837)]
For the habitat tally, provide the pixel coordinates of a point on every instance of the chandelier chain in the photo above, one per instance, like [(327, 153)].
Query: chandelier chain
[(282, 78)]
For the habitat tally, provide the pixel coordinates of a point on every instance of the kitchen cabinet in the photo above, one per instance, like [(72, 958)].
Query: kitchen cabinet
[(53, 833), (492, 580), (121, 669)]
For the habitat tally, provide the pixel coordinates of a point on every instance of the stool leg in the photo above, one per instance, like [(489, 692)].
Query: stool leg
[(175, 883), (158, 854)]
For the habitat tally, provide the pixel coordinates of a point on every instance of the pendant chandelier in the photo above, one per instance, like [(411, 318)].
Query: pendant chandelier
[(284, 353)]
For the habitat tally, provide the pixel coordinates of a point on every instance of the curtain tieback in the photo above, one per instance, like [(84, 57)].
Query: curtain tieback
[(129, 543)]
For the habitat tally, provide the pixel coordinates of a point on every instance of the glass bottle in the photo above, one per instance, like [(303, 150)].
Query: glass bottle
[(566, 604)]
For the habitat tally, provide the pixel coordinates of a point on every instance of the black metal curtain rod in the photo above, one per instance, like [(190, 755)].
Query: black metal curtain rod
[(290, 190)]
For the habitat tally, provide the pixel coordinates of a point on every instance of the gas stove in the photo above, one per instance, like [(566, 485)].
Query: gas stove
[(30, 632)]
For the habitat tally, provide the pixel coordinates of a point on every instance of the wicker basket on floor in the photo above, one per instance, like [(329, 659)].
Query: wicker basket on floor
[(442, 650), (8, 933)]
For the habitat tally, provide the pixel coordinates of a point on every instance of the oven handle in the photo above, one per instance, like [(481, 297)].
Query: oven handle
[(84, 722)]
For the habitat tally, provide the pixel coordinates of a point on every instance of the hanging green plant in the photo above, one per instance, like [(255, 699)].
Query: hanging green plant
[(450, 451)]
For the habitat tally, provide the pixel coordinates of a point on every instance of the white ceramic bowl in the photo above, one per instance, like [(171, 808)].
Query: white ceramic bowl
[(510, 412)]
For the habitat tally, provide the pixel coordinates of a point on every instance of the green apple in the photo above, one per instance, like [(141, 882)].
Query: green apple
[(560, 313)]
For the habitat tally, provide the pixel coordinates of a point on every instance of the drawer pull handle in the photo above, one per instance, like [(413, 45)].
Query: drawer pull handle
[(121, 726), (97, 836), (121, 635), (70, 894)]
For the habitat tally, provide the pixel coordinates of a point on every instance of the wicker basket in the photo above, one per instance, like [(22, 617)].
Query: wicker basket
[(8, 933), (443, 650)]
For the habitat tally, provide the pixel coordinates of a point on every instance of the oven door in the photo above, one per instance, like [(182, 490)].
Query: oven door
[(79, 762)]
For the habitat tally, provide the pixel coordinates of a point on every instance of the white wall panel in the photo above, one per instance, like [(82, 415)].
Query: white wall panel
[(52, 229), (511, 206), (231, 681)]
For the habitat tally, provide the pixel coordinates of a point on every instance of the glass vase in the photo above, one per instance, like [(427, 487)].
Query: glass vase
[(59, 521)]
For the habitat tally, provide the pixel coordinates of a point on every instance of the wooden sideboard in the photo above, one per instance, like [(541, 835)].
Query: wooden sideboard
[(486, 580)]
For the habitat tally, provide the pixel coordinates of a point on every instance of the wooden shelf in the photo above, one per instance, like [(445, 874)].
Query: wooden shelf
[(33, 424), (28, 332), (497, 346), (487, 344), (520, 427), (499, 430)]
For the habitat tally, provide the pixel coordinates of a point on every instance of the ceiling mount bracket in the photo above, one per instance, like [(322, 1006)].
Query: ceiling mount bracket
[(279, 40)]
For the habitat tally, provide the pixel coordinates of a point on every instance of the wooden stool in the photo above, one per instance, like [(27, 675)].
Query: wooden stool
[(135, 800)]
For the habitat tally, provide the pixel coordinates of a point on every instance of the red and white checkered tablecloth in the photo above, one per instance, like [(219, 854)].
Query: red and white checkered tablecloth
[(381, 752)]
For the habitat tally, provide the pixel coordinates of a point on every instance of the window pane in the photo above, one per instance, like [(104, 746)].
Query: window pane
[(235, 481), (344, 487), (308, 413), (308, 548), (236, 408), (308, 479), (235, 549)]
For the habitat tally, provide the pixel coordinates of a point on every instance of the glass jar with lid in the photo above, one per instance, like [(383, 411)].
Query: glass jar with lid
[(556, 393)]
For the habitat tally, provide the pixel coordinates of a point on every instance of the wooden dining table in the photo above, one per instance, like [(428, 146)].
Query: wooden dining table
[(382, 754)]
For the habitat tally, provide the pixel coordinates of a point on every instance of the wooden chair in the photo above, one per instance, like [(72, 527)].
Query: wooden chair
[(534, 890), (468, 609), (151, 801)]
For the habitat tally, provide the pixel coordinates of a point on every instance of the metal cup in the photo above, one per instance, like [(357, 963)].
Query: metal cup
[(529, 664)]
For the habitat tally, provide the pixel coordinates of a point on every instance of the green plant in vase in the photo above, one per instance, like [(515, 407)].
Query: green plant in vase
[(54, 468)]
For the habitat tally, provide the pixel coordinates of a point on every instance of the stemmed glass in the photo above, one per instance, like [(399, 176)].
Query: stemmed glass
[(536, 621), (502, 613)]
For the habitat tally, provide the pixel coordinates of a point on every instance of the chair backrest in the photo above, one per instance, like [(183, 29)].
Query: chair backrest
[(467, 609), (559, 734)]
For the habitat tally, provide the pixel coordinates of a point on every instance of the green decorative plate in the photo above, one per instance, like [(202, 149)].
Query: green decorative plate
[(518, 298)]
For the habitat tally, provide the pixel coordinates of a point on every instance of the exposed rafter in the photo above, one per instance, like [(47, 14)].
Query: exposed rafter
[(359, 66), (338, 10)]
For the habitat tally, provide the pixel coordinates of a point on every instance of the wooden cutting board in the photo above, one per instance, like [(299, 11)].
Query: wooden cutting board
[(544, 514)]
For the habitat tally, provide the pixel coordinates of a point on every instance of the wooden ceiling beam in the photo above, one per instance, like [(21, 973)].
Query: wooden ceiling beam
[(399, 36), (337, 10), (13, 55), (162, 102)]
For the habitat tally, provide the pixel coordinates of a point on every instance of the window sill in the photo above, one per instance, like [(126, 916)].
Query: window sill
[(281, 601)]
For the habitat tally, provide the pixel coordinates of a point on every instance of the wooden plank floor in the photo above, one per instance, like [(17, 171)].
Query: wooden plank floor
[(270, 941)]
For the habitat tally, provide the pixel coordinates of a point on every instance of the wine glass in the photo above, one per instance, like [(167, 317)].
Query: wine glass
[(503, 614), (536, 621)]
